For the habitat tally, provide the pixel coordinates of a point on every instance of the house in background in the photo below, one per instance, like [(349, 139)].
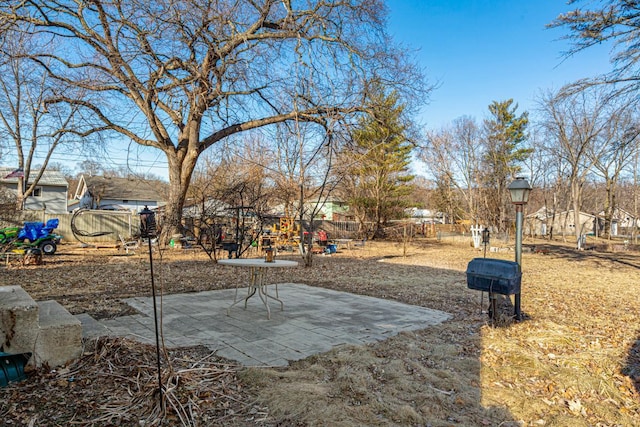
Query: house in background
[(623, 223), (50, 195), (425, 216), (543, 222), (119, 194), (72, 205), (209, 208), (327, 210), (333, 210), (539, 222)]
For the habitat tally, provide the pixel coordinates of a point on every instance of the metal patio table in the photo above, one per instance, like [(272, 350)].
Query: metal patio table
[(257, 283)]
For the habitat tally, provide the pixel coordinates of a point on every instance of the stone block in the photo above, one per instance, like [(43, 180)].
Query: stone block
[(91, 328), (60, 336), (18, 320)]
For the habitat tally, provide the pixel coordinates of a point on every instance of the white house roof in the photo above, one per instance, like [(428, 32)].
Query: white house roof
[(542, 214), (121, 188), (49, 177)]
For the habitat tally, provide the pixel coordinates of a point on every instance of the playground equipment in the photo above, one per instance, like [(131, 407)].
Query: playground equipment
[(283, 234)]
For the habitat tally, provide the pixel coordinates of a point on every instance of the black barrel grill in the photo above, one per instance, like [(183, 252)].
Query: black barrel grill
[(495, 276)]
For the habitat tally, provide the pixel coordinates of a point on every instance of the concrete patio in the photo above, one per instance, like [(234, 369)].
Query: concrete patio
[(314, 320)]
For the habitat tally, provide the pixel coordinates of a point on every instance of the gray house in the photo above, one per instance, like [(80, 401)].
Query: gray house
[(50, 195), (542, 221), (623, 223), (119, 194)]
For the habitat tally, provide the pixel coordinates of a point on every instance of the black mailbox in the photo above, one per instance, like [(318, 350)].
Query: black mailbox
[(494, 276)]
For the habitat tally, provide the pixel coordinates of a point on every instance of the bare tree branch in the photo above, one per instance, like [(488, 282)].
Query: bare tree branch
[(181, 76)]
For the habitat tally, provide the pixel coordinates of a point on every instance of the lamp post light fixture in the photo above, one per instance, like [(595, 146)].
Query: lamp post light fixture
[(147, 223), (519, 190), (486, 235), (148, 230)]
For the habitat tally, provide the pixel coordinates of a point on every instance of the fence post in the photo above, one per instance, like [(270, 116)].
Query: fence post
[(476, 234)]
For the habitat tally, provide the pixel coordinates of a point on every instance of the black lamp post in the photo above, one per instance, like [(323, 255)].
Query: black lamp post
[(486, 235), (519, 190), (148, 227), (148, 230)]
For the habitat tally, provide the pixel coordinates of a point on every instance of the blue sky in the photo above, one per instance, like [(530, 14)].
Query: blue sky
[(477, 51), (481, 51)]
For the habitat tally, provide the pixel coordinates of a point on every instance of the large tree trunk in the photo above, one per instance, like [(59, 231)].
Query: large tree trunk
[(20, 197), (576, 196), (172, 219), (608, 209), (181, 165)]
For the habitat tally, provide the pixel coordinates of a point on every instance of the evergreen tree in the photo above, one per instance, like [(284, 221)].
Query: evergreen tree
[(381, 154), (504, 132)]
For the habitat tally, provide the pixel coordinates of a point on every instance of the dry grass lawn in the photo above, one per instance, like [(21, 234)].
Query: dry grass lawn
[(573, 361)]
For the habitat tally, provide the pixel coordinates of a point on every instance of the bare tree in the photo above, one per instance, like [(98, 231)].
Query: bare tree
[(436, 153), (300, 164), (453, 155), (613, 22), (545, 171), (33, 128), (577, 125), (232, 184), (635, 134), (619, 145), (8, 211), (182, 76), (204, 205)]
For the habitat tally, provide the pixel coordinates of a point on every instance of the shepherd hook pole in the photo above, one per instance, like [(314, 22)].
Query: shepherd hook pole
[(155, 318)]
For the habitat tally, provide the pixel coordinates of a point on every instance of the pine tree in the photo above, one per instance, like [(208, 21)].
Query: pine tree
[(505, 132), (380, 170)]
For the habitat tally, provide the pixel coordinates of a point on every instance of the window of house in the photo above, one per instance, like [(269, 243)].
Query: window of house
[(37, 192)]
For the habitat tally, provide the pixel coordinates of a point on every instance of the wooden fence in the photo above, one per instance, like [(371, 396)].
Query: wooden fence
[(89, 226), (340, 229), (97, 226)]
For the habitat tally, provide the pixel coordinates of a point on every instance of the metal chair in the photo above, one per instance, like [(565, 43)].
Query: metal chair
[(129, 245)]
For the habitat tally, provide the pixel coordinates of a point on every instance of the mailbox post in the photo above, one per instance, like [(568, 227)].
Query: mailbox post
[(519, 190)]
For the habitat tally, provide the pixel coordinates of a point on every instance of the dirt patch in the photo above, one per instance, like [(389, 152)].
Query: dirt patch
[(572, 361)]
